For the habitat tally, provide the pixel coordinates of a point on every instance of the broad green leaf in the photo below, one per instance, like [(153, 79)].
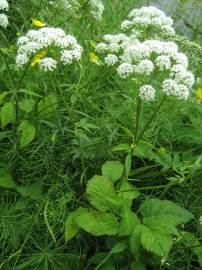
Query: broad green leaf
[(165, 210), (155, 241), (113, 170), (135, 241), (27, 133), (165, 226), (119, 247), (71, 229), (6, 181), (96, 223), (47, 105), (137, 266), (7, 114), (101, 194), (127, 193), (127, 223), (27, 105)]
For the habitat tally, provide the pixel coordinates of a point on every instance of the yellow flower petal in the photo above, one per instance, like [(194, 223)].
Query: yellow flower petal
[(38, 58), (93, 44), (199, 93), (38, 23), (93, 57)]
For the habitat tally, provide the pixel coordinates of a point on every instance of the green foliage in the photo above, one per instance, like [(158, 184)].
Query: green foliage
[(27, 133), (152, 231)]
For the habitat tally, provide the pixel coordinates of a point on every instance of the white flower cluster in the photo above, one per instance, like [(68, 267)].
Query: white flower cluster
[(51, 40), (148, 17), (3, 18), (145, 59), (151, 55), (96, 9), (200, 220)]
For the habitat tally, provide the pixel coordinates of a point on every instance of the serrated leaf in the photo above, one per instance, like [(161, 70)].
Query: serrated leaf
[(127, 193), (165, 210), (27, 133), (127, 223), (27, 105), (96, 223), (101, 194), (165, 226), (135, 241), (119, 247), (71, 229), (156, 242), (6, 181), (113, 170), (7, 114)]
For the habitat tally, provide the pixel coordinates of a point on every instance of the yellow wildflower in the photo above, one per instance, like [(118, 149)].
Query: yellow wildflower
[(93, 57), (199, 93), (38, 23), (93, 44), (38, 58)]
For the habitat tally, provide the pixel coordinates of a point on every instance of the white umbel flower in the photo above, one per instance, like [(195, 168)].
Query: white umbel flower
[(3, 21), (169, 87), (111, 59), (149, 16), (101, 47), (145, 67), (97, 9), (4, 5), (147, 92), (125, 70), (66, 57), (163, 62), (47, 39), (21, 60), (182, 92), (47, 64)]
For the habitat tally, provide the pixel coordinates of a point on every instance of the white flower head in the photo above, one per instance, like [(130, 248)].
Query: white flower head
[(111, 59), (96, 9), (163, 62), (47, 64), (66, 57), (21, 60), (147, 92), (145, 67), (4, 5), (48, 39), (3, 21), (169, 87), (125, 70)]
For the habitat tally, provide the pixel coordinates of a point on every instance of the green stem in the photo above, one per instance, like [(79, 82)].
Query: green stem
[(151, 119), (138, 113)]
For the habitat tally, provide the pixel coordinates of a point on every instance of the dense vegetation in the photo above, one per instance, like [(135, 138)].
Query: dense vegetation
[(100, 148)]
